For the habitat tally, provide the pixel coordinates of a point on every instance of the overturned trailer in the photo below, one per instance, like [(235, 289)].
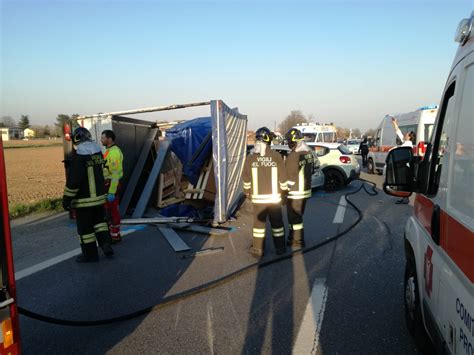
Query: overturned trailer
[(226, 139)]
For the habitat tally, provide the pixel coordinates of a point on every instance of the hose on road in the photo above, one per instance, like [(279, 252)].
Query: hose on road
[(212, 284)]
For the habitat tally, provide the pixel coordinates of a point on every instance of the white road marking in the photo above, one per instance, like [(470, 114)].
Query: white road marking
[(210, 333), (56, 260), (341, 210), (307, 341), (45, 264)]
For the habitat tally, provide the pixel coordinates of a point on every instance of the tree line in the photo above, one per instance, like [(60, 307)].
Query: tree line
[(40, 131)]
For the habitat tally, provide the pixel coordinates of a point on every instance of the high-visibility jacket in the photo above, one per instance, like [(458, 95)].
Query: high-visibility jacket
[(113, 169), (85, 180), (264, 177), (299, 169)]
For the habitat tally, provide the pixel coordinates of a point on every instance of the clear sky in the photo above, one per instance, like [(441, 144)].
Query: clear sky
[(348, 62)]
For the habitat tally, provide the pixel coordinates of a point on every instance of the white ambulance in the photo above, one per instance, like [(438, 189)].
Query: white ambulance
[(317, 133), (439, 237), (420, 121)]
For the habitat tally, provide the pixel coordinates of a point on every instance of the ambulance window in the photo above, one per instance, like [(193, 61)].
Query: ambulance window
[(377, 138), (309, 137), (461, 185), (441, 141), (428, 132)]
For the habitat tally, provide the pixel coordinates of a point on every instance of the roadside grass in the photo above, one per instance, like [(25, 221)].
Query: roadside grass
[(32, 145), (20, 210)]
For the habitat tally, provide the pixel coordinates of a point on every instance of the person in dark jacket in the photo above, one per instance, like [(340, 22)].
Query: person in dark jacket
[(264, 179), (85, 192), (299, 171), (364, 150)]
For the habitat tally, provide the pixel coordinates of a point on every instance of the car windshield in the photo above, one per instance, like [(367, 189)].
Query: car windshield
[(343, 149)]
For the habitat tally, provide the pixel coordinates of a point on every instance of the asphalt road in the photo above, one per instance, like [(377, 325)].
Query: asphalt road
[(341, 298)]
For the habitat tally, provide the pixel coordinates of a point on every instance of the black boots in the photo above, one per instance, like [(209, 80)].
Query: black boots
[(89, 253)]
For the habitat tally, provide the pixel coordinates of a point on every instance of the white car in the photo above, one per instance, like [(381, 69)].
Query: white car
[(338, 164), (353, 145), (317, 179)]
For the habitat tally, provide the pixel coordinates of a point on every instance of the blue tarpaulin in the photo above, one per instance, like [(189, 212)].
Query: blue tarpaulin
[(191, 141)]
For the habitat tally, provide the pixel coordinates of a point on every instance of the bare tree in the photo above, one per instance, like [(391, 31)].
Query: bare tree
[(342, 132), (370, 133), (356, 133), (8, 121), (292, 120)]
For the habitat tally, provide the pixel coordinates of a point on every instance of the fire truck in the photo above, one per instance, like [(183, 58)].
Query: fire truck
[(9, 332), (439, 237)]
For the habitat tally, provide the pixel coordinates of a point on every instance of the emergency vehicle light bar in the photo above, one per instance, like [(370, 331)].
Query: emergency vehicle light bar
[(464, 30)]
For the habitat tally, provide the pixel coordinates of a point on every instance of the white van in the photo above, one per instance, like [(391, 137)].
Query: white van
[(439, 237), (317, 133), (420, 121)]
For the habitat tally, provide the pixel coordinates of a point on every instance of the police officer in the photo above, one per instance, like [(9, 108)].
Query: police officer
[(264, 180), (113, 172), (299, 169), (85, 192)]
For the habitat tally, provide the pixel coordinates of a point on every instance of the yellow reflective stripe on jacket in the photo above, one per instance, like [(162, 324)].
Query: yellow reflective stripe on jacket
[(91, 178), (269, 199), (259, 232), (101, 227), (301, 180), (89, 201), (70, 192), (87, 238), (254, 181), (297, 195), (297, 227), (278, 232), (274, 178)]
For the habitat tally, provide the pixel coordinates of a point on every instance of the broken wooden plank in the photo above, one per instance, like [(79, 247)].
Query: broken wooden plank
[(150, 183), (173, 239)]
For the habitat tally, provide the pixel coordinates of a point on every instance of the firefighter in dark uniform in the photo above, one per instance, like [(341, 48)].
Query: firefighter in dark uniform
[(299, 169), (85, 192), (264, 180)]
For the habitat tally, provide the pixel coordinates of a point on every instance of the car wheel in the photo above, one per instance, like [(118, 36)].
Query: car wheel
[(333, 180), (413, 316), (370, 166)]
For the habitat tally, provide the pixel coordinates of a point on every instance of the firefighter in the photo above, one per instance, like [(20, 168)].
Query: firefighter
[(85, 192), (112, 174), (264, 180), (299, 169)]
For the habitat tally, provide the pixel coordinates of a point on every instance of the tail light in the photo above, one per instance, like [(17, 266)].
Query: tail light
[(67, 131), (421, 149), (7, 333), (344, 159)]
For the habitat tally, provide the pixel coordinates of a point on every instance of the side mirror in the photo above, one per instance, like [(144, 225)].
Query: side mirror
[(400, 177)]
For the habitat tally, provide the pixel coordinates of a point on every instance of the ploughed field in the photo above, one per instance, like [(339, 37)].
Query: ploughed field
[(34, 174)]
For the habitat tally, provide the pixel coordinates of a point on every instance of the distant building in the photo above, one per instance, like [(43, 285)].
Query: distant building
[(28, 133), (9, 133)]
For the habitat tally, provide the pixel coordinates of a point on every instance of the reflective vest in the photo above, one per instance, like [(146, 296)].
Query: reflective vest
[(264, 177), (113, 170), (85, 180), (299, 169)]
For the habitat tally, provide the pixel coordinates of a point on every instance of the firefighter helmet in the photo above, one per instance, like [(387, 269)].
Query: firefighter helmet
[(81, 135), (293, 136), (264, 135)]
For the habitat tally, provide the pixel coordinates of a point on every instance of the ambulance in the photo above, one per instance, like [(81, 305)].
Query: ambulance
[(439, 237), (317, 133), (420, 121)]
